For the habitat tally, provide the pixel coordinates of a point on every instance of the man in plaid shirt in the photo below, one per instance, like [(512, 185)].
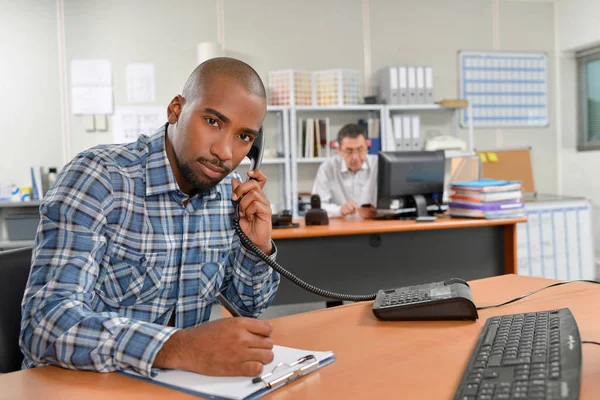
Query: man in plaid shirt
[(136, 241)]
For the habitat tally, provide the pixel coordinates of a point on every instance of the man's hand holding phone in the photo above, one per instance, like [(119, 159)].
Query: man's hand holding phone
[(255, 209)]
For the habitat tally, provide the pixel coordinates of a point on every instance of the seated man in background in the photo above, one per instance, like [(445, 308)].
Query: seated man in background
[(136, 241), (347, 182)]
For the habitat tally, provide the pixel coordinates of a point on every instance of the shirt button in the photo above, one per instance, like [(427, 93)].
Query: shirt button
[(142, 260)]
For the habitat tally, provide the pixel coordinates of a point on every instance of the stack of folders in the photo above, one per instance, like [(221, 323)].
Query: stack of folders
[(405, 85), (404, 133), (487, 198)]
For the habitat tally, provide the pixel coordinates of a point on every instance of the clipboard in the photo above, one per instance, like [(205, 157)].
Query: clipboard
[(288, 365)]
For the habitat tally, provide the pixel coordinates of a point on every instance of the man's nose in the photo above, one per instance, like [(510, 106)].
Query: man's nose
[(223, 148)]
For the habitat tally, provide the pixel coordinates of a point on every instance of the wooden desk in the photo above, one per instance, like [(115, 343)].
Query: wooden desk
[(412, 360), (349, 256)]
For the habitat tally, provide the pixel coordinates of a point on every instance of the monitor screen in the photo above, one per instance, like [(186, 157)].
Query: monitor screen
[(414, 178)]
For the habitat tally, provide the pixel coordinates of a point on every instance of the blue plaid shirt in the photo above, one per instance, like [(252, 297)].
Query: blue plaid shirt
[(117, 253)]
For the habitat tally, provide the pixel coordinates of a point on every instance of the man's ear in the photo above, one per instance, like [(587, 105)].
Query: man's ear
[(174, 109), (368, 142)]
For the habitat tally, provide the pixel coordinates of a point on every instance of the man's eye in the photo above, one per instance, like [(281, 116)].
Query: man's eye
[(246, 138), (212, 122)]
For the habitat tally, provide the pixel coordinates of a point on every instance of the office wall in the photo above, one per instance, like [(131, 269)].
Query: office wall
[(29, 89), (578, 28), (155, 31), (432, 32), (273, 34)]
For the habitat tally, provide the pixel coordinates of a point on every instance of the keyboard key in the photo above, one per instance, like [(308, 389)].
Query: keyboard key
[(494, 361)]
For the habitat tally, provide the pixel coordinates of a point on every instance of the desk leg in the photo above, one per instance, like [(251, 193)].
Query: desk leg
[(510, 249)]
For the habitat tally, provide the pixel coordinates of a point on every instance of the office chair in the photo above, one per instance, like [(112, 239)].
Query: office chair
[(14, 271)]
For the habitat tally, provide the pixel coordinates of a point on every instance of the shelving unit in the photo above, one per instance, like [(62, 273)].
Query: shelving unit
[(14, 208), (391, 109), (283, 147)]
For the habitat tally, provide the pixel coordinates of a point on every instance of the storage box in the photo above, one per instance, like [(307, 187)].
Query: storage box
[(337, 87), (291, 88), (21, 226)]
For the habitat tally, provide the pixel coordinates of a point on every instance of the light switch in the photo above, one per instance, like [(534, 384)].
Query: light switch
[(101, 123), (90, 123)]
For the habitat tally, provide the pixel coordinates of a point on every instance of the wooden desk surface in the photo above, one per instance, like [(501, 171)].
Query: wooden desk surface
[(422, 360), (339, 226)]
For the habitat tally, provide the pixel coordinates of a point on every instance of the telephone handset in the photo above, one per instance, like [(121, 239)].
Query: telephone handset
[(255, 155)]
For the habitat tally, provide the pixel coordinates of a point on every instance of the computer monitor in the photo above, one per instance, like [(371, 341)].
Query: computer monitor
[(413, 178)]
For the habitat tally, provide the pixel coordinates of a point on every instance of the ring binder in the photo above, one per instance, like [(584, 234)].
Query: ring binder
[(312, 361)]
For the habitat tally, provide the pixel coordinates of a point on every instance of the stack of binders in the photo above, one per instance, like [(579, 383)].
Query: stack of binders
[(486, 198)]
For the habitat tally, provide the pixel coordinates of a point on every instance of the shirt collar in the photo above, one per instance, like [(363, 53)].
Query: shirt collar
[(363, 167), (159, 175)]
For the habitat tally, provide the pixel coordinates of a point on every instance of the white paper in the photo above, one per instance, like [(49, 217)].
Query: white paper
[(131, 122), (140, 83), (236, 387), (91, 73), (91, 100)]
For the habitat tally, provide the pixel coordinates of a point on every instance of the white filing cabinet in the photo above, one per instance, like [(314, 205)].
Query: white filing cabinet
[(556, 241)]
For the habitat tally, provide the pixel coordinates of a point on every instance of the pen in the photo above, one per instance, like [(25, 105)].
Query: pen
[(228, 306)]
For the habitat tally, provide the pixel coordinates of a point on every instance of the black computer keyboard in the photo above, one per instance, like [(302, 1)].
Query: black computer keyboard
[(525, 356)]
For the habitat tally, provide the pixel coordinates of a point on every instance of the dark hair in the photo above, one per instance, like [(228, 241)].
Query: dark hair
[(350, 131)]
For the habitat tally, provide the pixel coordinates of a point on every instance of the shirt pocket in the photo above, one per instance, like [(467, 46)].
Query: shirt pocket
[(213, 263), (131, 277)]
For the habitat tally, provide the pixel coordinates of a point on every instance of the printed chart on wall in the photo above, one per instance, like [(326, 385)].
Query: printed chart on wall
[(131, 122), (556, 241), (504, 89)]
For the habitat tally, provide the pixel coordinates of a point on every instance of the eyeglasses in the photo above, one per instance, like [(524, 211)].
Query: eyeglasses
[(361, 151)]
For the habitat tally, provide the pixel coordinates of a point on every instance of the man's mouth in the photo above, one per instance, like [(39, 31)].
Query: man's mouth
[(211, 170)]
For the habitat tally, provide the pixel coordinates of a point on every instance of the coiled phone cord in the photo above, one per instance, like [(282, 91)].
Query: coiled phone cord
[(287, 274)]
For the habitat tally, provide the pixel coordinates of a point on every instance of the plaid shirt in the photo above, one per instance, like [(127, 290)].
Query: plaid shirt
[(117, 253)]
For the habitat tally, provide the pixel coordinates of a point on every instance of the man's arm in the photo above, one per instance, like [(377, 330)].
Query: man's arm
[(249, 282), (59, 325), (322, 187)]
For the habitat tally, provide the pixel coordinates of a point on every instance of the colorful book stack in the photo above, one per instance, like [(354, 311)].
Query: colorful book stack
[(486, 198)]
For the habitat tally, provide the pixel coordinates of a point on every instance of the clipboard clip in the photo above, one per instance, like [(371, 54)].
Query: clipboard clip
[(306, 364)]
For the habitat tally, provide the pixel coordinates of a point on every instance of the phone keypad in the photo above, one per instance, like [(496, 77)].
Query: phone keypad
[(409, 297)]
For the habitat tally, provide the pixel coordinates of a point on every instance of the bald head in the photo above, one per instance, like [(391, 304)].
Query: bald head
[(223, 67)]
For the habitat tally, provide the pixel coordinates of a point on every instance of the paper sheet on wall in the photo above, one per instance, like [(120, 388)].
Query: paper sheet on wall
[(91, 87), (140, 83), (131, 122), (91, 73), (92, 100)]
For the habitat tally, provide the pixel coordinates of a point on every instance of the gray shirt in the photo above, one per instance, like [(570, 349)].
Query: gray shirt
[(336, 184)]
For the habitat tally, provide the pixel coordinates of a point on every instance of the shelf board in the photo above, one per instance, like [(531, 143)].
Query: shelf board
[(15, 244), (266, 161), (458, 153), (314, 160), (16, 204), (356, 107), (276, 108), (416, 107)]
